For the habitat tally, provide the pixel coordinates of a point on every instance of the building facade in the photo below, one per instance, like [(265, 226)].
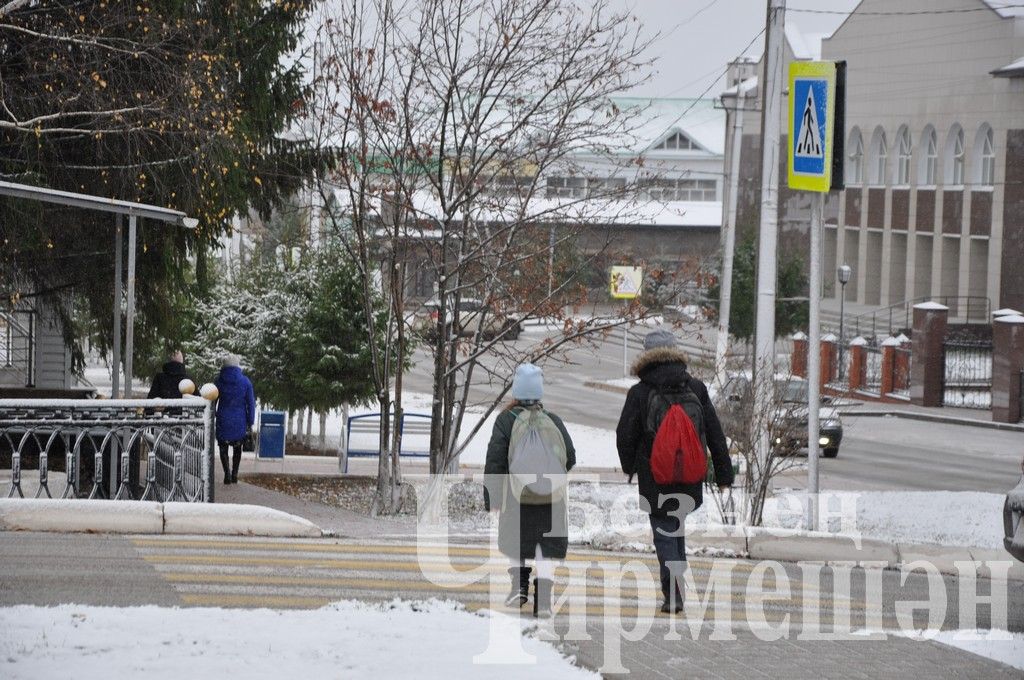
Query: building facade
[(934, 157)]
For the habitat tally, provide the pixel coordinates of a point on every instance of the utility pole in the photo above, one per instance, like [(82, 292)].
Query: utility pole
[(814, 361), (729, 241), (767, 266)]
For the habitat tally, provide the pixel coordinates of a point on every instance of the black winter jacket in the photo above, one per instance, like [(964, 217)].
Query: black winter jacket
[(165, 383), (661, 368)]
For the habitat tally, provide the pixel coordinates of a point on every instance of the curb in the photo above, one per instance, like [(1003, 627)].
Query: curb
[(934, 418), (145, 517), (605, 387), (795, 545)]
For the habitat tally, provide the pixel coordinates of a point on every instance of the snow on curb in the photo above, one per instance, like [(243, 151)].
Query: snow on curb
[(79, 515), (145, 517), (235, 520)]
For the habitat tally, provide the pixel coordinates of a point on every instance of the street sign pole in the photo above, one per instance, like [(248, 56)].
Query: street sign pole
[(625, 284), (814, 360), (817, 92)]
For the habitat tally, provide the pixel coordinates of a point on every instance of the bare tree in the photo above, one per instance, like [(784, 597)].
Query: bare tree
[(449, 118)]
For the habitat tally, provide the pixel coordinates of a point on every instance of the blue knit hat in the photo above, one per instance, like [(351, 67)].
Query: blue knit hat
[(528, 383)]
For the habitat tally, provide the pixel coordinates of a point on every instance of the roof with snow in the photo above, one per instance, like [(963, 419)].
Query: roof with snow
[(698, 119), (1012, 70), (1006, 9)]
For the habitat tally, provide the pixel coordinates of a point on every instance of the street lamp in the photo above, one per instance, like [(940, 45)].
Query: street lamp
[(844, 274)]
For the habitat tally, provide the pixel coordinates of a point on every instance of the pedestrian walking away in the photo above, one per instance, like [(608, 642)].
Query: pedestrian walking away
[(528, 457), (668, 424), (165, 383), (236, 413)]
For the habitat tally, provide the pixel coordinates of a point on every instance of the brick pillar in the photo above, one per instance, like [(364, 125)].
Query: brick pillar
[(858, 355), (901, 370), (798, 360), (927, 365), (889, 346), (1007, 364), (828, 359)]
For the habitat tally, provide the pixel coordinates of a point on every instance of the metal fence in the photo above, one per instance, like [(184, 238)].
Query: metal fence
[(967, 374), (127, 449), (872, 381)]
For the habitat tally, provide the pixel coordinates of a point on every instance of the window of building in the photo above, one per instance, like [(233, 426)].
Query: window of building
[(879, 156), (930, 161), (954, 174), (903, 158), (985, 158), (680, 189), (677, 141), (855, 159), (610, 187), (566, 187)]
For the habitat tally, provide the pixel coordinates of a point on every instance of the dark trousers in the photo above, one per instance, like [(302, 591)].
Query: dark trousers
[(670, 544), (236, 459)]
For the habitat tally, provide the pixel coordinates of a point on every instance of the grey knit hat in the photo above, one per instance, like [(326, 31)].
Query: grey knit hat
[(231, 360), (659, 338)]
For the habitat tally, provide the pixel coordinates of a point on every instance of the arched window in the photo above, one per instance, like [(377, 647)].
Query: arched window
[(984, 160), (879, 156), (855, 158), (903, 152), (928, 167), (954, 174)]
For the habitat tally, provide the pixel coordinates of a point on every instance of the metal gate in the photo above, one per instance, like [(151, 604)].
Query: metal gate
[(967, 374)]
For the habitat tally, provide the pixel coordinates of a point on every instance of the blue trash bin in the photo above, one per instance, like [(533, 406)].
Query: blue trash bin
[(271, 434)]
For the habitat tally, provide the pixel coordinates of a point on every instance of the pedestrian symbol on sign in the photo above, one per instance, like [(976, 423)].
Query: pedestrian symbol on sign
[(808, 140)]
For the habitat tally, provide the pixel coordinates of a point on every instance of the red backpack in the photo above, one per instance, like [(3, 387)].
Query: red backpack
[(675, 419)]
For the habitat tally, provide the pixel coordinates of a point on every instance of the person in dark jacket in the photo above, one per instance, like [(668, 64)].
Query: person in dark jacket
[(236, 413), (661, 366), (538, 532), (165, 383)]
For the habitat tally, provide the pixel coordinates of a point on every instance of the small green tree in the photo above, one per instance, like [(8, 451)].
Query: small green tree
[(790, 313)]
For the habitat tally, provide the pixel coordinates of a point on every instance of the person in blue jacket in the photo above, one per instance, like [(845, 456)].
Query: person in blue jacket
[(236, 413)]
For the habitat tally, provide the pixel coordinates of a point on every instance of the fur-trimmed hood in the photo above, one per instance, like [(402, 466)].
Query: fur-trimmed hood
[(659, 355)]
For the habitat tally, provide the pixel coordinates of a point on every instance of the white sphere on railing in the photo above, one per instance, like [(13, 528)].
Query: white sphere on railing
[(209, 392), (186, 386)]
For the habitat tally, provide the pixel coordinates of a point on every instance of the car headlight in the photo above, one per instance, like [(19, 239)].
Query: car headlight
[(823, 441)]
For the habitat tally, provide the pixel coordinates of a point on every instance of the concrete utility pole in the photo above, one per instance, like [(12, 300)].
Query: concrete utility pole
[(729, 241), (814, 361), (767, 265)]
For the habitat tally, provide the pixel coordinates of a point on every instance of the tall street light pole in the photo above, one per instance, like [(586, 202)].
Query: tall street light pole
[(767, 265), (844, 273)]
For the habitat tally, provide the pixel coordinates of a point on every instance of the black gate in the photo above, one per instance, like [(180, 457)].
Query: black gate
[(967, 376)]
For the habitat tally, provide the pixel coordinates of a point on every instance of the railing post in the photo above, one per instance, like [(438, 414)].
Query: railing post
[(828, 359), (928, 361), (798, 360), (858, 357), (889, 346), (1007, 365)]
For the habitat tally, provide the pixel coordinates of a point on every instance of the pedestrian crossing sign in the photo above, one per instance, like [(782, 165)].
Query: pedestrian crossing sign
[(812, 125), (626, 282)]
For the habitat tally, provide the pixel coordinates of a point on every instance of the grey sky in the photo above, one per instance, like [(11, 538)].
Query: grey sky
[(699, 37)]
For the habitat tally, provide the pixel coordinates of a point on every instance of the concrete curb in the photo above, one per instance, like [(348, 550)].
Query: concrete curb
[(143, 517), (934, 418)]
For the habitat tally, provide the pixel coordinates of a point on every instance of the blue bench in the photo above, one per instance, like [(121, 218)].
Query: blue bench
[(414, 425)]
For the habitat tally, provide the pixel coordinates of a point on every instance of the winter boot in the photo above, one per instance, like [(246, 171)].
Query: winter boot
[(673, 594), (520, 592), (542, 598), (224, 463)]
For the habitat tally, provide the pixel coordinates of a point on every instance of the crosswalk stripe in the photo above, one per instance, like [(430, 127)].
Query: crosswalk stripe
[(260, 601)]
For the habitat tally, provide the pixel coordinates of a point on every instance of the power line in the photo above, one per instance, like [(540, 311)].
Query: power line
[(962, 10)]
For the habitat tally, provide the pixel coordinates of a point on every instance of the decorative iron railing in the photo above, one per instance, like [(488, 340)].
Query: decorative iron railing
[(967, 375), (126, 449), (872, 381)]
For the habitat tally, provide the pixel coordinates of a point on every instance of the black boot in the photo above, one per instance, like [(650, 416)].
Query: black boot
[(520, 592), (224, 463), (234, 463), (542, 598), (673, 595)]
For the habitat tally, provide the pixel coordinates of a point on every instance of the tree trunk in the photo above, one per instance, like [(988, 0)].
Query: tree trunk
[(323, 432), (291, 425), (383, 501), (343, 439), (308, 441), (299, 433)]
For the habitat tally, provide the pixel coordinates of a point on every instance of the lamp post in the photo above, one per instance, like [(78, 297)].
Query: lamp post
[(843, 274)]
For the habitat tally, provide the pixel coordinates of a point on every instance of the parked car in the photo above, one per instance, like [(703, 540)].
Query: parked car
[(790, 423), (472, 313), (1013, 519)]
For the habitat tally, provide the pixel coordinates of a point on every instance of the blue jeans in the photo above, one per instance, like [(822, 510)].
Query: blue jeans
[(670, 545)]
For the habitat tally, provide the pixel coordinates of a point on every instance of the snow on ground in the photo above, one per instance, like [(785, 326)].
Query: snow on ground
[(429, 641), (611, 518), (998, 645)]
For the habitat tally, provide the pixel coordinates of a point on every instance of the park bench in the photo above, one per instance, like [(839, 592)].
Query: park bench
[(415, 429)]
